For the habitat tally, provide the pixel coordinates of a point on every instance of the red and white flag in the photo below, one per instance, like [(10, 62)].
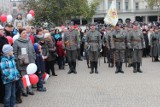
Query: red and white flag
[(45, 76), (26, 81)]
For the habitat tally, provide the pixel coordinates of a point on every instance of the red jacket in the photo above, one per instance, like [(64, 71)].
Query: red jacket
[(59, 47)]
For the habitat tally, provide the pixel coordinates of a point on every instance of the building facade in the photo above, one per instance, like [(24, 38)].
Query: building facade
[(133, 9), (5, 7)]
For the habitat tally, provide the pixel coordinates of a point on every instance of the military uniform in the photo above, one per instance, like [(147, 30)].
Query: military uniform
[(71, 46), (108, 51), (136, 44), (93, 39), (155, 45), (118, 42)]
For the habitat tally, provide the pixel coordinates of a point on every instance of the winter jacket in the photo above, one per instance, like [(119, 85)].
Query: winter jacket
[(60, 48), (3, 41), (20, 44), (39, 60), (9, 70)]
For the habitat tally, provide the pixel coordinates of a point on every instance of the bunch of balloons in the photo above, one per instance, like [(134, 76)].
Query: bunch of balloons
[(30, 15), (6, 18)]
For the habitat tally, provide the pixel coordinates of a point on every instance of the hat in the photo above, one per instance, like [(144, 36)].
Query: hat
[(7, 49), (46, 35), (1, 27)]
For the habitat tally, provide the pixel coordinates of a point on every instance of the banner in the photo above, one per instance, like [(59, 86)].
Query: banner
[(112, 17)]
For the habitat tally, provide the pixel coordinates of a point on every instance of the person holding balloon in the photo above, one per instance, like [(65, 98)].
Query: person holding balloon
[(24, 55), (40, 67)]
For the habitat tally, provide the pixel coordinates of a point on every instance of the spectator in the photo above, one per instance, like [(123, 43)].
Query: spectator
[(10, 75), (22, 46)]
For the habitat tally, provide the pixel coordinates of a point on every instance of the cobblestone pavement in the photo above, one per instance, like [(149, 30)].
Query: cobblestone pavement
[(105, 89)]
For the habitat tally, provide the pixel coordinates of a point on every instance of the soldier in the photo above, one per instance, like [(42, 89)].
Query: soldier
[(107, 46), (155, 44), (127, 32), (94, 41), (136, 43), (71, 46), (118, 43)]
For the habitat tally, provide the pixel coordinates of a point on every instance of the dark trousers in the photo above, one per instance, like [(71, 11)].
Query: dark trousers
[(10, 97), (1, 89), (19, 88), (50, 66), (61, 62), (40, 82)]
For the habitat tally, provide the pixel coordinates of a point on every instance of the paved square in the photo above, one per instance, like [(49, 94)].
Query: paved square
[(105, 89)]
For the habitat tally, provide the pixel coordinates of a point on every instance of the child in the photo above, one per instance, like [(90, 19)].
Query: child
[(10, 75), (40, 66), (61, 53)]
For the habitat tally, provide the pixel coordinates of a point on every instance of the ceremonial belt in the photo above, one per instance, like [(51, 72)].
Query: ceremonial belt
[(136, 40), (119, 40), (93, 41)]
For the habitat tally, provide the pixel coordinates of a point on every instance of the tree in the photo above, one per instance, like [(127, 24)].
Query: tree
[(58, 11)]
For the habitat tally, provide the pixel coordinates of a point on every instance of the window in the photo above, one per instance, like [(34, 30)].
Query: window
[(137, 5), (126, 5), (14, 11), (14, 4), (118, 5)]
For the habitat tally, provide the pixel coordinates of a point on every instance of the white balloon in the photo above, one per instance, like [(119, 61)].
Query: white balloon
[(31, 68), (29, 17), (15, 37), (9, 18)]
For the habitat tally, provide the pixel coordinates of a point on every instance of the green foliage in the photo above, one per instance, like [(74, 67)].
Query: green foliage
[(58, 11)]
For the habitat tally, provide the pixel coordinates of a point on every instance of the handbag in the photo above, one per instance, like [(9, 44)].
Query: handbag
[(23, 59)]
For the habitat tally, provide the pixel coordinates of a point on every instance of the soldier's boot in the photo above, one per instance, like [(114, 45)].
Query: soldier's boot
[(117, 67), (96, 66), (120, 68), (92, 67), (112, 63), (134, 67), (104, 59), (138, 67), (74, 67), (70, 68)]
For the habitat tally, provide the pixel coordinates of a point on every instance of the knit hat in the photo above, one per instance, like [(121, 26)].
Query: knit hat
[(7, 49)]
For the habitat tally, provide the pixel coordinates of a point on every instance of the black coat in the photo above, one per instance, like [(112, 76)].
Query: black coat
[(3, 41)]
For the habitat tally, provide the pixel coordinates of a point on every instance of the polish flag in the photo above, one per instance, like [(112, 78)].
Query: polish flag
[(45, 76), (26, 81)]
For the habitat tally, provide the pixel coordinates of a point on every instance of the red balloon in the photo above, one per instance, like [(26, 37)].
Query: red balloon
[(10, 40), (3, 18), (33, 79), (32, 13)]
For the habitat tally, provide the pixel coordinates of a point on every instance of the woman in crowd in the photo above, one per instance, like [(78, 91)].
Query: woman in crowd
[(56, 35), (23, 47), (52, 54)]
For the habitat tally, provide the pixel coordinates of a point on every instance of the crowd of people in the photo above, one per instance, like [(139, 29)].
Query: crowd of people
[(124, 43)]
